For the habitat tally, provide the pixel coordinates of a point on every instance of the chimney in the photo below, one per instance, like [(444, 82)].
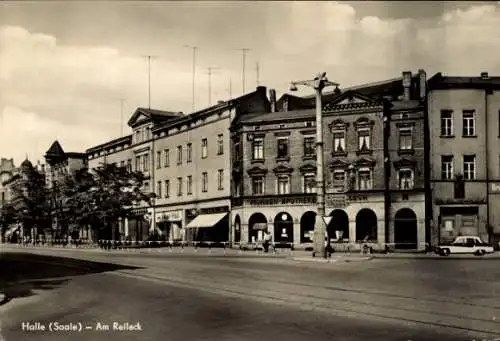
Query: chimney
[(484, 75), (261, 89), (406, 85), (220, 102), (272, 99), (422, 83)]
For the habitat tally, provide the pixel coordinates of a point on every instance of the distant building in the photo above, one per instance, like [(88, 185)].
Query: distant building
[(464, 123), (7, 171)]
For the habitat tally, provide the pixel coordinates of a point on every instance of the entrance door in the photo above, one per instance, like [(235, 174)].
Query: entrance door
[(405, 230)]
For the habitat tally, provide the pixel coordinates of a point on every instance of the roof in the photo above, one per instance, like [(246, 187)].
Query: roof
[(55, 150), (154, 114), (118, 141), (26, 164), (278, 116), (440, 82)]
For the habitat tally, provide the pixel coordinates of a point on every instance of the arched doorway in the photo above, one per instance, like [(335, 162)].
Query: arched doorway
[(283, 228), (405, 229), (366, 226), (307, 223), (338, 227), (237, 229), (257, 225)]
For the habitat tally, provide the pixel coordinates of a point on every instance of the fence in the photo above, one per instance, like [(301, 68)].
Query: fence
[(274, 247)]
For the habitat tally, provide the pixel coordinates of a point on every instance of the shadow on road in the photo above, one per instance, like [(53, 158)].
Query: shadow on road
[(22, 273)]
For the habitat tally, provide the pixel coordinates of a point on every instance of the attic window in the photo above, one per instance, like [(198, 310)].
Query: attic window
[(282, 126)]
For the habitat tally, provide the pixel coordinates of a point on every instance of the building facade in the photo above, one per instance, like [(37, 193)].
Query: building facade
[(375, 168), (7, 171), (464, 123), (186, 164)]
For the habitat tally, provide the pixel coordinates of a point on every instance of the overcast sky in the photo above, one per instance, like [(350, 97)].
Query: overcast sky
[(65, 65)]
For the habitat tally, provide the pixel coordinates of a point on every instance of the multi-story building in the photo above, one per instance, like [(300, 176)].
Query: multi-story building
[(464, 123), (367, 132), (193, 171), (136, 152), (185, 162), (59, 165), (7, 171)]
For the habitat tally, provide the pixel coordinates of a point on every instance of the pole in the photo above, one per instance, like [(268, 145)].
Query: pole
[(194, 48), (121, 116), (320, 228), (149, 82), (257, 70), (244, 53), (210, 69), (230, 88)]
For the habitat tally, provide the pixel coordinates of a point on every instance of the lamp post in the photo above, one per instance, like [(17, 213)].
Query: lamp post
[(318, 83)]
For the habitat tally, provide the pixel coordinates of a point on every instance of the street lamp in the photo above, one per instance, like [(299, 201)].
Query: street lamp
[(318, 83)]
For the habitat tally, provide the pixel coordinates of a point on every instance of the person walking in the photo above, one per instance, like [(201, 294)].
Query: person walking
[(267, 241)]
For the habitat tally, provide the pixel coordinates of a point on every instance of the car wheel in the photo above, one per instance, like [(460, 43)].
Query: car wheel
[(480, 253), (446, 252)]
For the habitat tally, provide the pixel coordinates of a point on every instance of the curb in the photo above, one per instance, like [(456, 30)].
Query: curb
[(332, 260)]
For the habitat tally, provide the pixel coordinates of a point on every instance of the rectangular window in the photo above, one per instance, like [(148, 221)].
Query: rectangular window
[(158, 160), (166, 152), (146, 187), (189, 184), (283, 184), (339, 180), (446, 167), (469, 123), (122, 164), (237, 152), (148, 133), (204, 148), (469, 167), (189, 153), (167, 188), (338, 141), (138, 164), (364, 179), (129, 165), (405, 139), (204, 182), (158, 189), (137, 136), (220, 144), (179, 155), (258, 149), (446, 123), (364, 139), (405, 179), (145, 158), (220, 179), (179, 187), (309, 148), (282, 147), (310, 183), (258, 185)]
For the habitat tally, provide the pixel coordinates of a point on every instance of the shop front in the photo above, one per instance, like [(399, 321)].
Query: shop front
[(169, 225), (289, 219), (209, 225)]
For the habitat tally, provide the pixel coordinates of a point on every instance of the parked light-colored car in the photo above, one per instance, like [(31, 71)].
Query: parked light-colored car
[(465, 245)]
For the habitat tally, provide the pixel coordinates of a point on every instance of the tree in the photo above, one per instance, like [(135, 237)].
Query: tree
[(29, 204), (8, 216), (99, 199)]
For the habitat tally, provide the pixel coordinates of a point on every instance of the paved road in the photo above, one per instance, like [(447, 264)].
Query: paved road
[(183, 297)]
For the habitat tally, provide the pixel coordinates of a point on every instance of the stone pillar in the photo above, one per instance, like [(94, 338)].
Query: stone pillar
[(381, 234), (420, 234), (352, 231), (125, 227), (244, 233), (296, 234)]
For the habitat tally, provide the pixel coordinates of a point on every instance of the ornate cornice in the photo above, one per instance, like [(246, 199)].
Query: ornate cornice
[(364, 122), (401, 163), (257, 171), (337, 163), (282, 170), (364, 162), (308, 168), (338, 124)]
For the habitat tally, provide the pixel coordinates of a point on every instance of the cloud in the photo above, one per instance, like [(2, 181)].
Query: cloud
[(76, 88), (27, 133)]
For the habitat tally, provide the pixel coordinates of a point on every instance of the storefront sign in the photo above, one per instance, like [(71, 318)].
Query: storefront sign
[(495, 188), (281, 201), (357, 197), (336, 200), (172, 216)]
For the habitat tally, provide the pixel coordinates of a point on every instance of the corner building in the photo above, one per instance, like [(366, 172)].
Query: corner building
[(274, 168), (464, 122)]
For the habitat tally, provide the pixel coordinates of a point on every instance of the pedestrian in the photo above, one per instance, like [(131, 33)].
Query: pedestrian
[(267, 241)]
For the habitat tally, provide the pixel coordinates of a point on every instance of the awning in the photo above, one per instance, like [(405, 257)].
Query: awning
[(259, 226), (206, 220)]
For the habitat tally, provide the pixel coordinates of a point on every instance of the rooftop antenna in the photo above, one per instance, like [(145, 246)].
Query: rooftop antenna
[(149, 79), (122, 100), (194, 48), (244, 54), (210, 69), (257, 72), (230, 88)]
